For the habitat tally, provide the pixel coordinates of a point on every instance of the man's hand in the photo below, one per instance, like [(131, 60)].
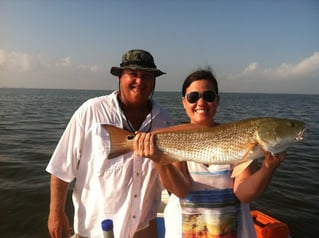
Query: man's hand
[(58, 224)]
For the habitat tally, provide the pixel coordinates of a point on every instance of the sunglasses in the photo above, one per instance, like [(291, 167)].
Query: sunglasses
[(208, 96)]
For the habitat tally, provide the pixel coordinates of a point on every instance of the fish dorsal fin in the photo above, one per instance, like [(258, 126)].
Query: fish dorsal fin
[(240, 168), (181, 127)]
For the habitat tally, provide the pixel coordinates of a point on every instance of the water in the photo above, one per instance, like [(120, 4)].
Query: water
[(32, 121)]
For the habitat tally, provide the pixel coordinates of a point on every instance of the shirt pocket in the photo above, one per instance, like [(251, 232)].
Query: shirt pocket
[(108, 173), (101, 144)]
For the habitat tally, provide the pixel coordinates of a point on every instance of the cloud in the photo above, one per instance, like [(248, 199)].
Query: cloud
[(308, 67), (305, 67), (22, 62), (66, 62), (14, 61), (251, 68)]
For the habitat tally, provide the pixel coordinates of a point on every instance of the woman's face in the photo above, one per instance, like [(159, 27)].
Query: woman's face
[(201, 111)]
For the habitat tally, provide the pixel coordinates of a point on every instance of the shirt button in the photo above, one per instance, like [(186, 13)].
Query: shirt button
[(133, 217)]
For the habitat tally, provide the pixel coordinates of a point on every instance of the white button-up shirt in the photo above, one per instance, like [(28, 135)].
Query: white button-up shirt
[(125, 189)]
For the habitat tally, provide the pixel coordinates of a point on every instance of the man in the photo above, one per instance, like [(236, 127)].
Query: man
[(125, 189)]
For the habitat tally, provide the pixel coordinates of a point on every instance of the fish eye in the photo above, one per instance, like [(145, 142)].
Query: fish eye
[(130, 137)]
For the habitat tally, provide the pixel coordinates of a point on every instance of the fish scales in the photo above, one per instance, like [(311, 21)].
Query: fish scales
[(236, 143), (217, 145)]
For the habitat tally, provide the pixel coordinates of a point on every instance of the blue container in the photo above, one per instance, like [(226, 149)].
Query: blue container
[(160, 227)]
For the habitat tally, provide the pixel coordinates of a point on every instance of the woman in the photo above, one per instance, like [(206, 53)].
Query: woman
[(206, 201)]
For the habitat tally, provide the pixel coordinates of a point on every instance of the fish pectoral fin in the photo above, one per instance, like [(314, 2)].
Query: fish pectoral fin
[(250, 148), (240, 168)]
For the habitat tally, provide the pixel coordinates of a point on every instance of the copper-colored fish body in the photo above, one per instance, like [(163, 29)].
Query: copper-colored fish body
[(229, 143)]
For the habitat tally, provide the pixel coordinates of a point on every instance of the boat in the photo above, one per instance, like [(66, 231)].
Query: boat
[(265, 225), (268, 227)]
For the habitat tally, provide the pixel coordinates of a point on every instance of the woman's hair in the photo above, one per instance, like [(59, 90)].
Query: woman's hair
[(201, 74)]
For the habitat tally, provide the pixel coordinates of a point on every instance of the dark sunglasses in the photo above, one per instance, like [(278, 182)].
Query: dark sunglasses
[(208, 96)]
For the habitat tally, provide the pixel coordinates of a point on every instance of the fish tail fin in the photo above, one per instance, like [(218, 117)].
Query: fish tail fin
[(121, 141)]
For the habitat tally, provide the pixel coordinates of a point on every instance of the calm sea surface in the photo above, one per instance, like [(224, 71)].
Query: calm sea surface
[(32, 121)]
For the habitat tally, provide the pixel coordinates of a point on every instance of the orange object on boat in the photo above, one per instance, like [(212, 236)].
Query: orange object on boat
[(268, 227)]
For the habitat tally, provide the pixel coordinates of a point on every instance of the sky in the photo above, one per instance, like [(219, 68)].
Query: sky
[(252, 46)]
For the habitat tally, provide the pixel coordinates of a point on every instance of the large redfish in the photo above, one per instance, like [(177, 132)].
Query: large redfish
[(237, 143)]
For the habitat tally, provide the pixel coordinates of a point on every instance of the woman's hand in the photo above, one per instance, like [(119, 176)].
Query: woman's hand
[(253, 181), (144, 146), (272, 161), (175, 180)]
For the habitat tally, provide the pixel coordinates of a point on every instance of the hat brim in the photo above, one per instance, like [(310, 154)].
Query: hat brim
[(116, 71)]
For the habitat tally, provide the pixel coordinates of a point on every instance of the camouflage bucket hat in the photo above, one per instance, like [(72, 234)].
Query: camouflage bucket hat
[(137, 60)]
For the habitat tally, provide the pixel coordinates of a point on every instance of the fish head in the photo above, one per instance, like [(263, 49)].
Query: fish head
[(275, 134)]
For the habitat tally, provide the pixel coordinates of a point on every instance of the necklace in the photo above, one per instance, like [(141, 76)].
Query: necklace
[(131, 128)]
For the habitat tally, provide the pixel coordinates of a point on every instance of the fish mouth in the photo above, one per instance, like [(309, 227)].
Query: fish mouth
[(299, 136)]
